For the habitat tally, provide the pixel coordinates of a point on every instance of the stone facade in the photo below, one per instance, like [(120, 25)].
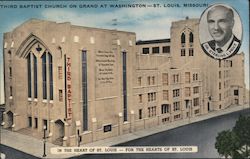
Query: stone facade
[(86, 84)]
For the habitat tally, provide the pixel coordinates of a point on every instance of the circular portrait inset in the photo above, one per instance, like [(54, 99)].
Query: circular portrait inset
[(220, 31)]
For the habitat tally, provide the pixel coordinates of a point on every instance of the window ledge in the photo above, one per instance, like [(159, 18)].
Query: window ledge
[(10, 97), (44, 101), (29, 99)]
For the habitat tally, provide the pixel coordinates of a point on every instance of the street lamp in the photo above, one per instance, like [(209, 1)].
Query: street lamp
[(78, 138), (44, 141)]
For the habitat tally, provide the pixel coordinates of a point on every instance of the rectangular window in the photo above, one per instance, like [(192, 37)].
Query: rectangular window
[(50, 77), (44, 76), (195, 77), (30, 121), (197, 111), (11, 93), (165, 95), (139, 81), (145, 50), (219, 85), (176, 92), (153, 80), (10, 72), (220, 96), (60, 95), (176, 106), (36, 123), (236, 92), (196, 101), (107, 128), (165, 79), (35, 76), (84, 90), (155, 50), (165, 108), (175, 78), (29, 75), (187, 91), (187, 77), (191, 52), (166, 49), (60, 72), (140, 113), (124, 80), (219, 63), (219, 74), (164, 120), (149, 97), (177, 116), (183, 52), (140, 98), (196, 89), (149, 80), (152, 111)]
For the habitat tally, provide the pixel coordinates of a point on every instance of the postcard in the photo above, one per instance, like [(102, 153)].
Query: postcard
[(124, 79)]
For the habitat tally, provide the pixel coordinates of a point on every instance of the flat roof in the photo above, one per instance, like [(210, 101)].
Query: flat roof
[(142, 42)]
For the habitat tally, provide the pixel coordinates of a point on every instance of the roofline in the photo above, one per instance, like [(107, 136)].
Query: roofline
[(140, 42)]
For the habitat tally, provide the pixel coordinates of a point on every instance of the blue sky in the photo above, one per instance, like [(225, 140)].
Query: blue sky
[(147, 23)]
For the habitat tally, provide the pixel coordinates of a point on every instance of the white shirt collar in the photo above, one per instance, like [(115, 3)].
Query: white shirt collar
[(226, 46)]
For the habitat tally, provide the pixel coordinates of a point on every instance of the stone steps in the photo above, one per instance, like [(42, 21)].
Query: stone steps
[(30, 132), (58, 141)]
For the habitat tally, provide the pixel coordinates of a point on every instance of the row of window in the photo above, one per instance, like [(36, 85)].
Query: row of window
[(151, 97), (35, 124), (150, 80), (227, 63), (177, 106), (151, 111), (183, 38), (156, 50), (176, 92), (47, 66), (190, 52), (165, 94), (166, 108), (226, 74), (188, 91), (176, 78)]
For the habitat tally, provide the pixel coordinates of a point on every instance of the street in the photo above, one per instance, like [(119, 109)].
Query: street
[(201, 134), (15, 154)]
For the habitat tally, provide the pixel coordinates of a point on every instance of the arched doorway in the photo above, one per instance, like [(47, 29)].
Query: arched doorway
[(59, 132), (9, 121)]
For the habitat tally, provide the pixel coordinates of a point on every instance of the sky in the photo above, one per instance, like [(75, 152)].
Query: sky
[(147, 23)]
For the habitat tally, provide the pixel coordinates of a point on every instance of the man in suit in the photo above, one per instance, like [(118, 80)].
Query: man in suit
[(220, 21)]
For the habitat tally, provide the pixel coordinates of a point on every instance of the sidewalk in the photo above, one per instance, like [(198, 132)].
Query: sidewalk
[(34, 146)]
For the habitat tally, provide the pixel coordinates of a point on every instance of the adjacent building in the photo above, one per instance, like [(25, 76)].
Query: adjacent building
[(85, 84)]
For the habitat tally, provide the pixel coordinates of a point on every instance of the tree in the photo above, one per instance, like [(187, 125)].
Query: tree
[(235, 143), (224, 143), (242, 131)]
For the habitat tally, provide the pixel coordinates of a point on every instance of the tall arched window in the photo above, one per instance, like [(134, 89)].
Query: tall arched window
[(35, 75), (183, 38), (191, 37), (44, 75), (29, 74), (50, 76)]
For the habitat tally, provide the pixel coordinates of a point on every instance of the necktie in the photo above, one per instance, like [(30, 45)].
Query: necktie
[(219, 50)]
